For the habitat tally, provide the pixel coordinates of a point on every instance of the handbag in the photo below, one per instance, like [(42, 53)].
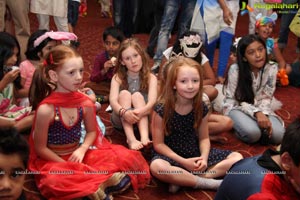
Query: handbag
[(272, 1), (295, 24)]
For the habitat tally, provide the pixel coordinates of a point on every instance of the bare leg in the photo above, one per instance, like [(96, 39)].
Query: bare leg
[(162, 170), (222, 167), (143, 125), (125, 102), (218, 124)]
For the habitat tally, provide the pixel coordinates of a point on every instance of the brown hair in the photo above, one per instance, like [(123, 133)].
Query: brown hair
[(41, 85), (168, 94), (121, 70)]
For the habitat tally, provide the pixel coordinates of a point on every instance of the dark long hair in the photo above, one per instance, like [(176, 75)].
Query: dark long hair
[(7, 44), (32, 53), (244, 91)]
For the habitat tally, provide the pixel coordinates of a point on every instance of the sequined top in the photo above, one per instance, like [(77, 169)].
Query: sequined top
[(59, 133)]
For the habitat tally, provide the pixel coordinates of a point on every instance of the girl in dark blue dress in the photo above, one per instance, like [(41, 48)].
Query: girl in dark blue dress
[(182, 153)]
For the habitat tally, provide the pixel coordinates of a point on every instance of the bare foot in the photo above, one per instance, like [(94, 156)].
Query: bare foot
[(146, 142), (135, 145), (218, 138)]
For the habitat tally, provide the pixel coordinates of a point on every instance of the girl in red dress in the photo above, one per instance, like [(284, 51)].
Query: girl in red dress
[(64, 168)]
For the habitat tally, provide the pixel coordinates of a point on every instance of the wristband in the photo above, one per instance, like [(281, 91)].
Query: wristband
[(121, 112)]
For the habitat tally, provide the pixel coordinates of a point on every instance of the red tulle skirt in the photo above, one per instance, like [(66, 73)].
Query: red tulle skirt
[(69, 180)]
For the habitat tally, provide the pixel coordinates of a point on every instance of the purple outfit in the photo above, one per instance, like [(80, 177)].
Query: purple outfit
[(60, 133), (96, 75)]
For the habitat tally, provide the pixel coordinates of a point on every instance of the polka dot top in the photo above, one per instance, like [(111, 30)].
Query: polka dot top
[(183, 139), (59, 133)]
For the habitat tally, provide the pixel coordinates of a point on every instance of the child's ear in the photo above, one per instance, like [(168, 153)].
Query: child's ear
[(286, 161), (53, 75), (121, 61), (245, 59)]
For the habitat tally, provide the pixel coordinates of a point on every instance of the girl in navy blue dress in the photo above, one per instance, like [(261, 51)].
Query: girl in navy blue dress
[(182, 153)]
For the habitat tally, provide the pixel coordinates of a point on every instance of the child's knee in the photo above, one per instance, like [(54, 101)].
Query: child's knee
[(124, 94), (156, 166), (249, 136), (137, 96), (228, 122), (235, 156), (277, 135)]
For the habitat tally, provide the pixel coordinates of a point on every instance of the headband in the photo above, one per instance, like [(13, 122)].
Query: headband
[(55, 36), (263, 20), (191, 45)]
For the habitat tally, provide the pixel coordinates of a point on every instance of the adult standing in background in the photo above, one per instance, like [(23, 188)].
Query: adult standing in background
[(159, 6), (218, 18), (167, 23), (19, 11), (287, 16), (125, 14), (56, 8)]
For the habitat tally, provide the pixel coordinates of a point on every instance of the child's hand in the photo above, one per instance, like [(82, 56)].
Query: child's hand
[(107, 65), (10, 76), (191, 164), (263, 121), (138, 112), (78, 154), (130, 117), (201, 164), (84, 90)]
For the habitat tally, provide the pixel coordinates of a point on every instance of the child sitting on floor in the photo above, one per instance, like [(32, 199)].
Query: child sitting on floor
[(133, 93), (182, 154), (104, 64), (14, 153), (96, 168)]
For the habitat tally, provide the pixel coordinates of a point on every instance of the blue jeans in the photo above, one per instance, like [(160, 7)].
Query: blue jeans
[(168, 20), (247, 129)]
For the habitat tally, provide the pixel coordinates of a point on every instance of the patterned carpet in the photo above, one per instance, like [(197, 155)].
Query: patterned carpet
[(89, 31)]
